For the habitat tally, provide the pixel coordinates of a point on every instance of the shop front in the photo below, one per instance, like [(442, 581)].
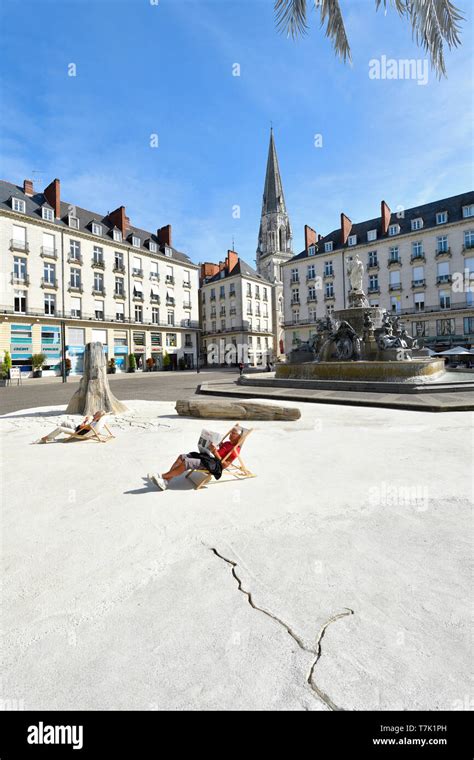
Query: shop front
[(75, 349), (51, 348), (157, 350), (21, 347), (139, 350), (120, 350)]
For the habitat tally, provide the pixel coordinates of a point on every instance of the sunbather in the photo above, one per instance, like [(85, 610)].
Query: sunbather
[(195, 461), (68, 428)]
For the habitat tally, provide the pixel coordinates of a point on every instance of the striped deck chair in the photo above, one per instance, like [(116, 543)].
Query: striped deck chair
[(236, 468), (103, 435)]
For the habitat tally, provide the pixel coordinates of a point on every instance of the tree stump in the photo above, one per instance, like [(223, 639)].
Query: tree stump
[(235, 410), (94, 391)]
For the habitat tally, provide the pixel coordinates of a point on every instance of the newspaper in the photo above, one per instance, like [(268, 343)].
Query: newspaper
[(207, 438)]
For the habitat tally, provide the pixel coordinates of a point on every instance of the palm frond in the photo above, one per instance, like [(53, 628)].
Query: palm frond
[(291, 17), (335, 28)]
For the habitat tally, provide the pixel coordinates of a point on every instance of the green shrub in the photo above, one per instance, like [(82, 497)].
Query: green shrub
[(37, 361), (132, 362)]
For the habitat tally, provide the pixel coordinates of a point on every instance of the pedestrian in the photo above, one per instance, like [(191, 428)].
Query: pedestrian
[(241, 368)]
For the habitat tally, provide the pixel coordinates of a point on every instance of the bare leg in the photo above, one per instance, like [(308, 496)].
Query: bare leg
[(177, 469)]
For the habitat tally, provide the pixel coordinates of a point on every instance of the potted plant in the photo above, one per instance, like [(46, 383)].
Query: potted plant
[(6, 366), (132, 363), (111, 367), (166, 361), (37, 362)]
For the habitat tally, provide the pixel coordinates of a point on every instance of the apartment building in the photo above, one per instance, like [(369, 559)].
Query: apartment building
[(419, 264), (236, 313), (89, 276)]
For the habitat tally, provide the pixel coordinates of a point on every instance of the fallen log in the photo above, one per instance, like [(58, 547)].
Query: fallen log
[(218, 409)]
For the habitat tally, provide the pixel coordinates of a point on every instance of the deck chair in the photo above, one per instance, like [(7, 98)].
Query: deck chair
[(236, 468), (92, 435)]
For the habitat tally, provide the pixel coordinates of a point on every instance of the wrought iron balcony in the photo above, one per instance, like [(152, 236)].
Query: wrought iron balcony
[(373, 266), (186, 284), (48, 253), (138, 297), (120, 294), (16, 280), (119, 269), (441, 254), (169, 279), (394, 261), (442, 279), (136, 272), (98, 264), (75, 289), (393, 286), (417, 257), (19, 245), (75, 259), (418, 283), (49, 283)]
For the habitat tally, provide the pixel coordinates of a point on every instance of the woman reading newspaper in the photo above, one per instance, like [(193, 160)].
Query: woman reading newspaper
[(208, 457)]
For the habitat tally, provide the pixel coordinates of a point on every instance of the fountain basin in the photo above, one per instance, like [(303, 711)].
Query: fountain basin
[(368, 371)]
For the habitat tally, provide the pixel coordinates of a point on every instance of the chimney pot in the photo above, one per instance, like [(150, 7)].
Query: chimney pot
[(346, 226), (53, 195), (28, 187), (310, 236)]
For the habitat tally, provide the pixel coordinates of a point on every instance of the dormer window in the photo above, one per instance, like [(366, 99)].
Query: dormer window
[(394, 229), (96, 228), (47, 213), (328, 246), (136, 242), (371, 235), (168, 251), (467, 211), (73, 222), (352, 240), (18, 205), (441, 217), (312, 250), (117, 235), (153, 246), (417, 224)]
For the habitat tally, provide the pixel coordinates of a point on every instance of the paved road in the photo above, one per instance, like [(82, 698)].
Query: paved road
[(153, 386)]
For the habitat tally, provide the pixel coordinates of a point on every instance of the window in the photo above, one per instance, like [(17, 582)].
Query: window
[(312, 315), (372, 260), (98, 255), (443, 272), (153, 246), (265, 294), (117, 235), (249, 290), (444, 300), (49, 274), (96, 228), (154, 274), (352, 240), (295, 295), (393, 229), (373, 282), (187, 279), (99, 309), (118, 260), (394, 279), (394, 254), (168, 251), (420, 329), (47, 214), (75, 307), (311, 272), (138, 290), (75, 278), (49, 245), (19, 238), (328, 246), (417, 250), (222, 291), (155, 315), (74, 249), (18, 205), (295, 277), (469, 239), (419, 301), (50, 303), (119, 286), (395, 304), (441, 217), (417, 224), (120, 312), (169, 275), (371, 235), (98, 281), (188, 340), (76, 336), (222, 324), (19, 301), (138, 312), (19, 269), (468, 211), (171, 317), (418, 276), (136, 242), (445, 326), (171, 340), (329, 290), (312, 293), (73, 222), (312, 250), (156, 339), (328, 269), (468, 325), (257, 291), (442, 244)]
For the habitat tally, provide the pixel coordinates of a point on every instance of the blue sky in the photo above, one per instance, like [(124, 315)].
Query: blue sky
[(166, 69)]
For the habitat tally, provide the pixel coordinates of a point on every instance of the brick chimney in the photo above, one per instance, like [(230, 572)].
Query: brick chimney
[(385, 215), (310, 236), (231, 261), (53, 195), (119, 219), (164, 235), (346, 226), (28, 187), (208, 270)]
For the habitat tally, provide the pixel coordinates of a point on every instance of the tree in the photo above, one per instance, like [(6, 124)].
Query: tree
[(6, 365), (434, 23), (94, 392)]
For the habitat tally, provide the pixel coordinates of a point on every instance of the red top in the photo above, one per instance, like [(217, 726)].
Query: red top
[(224, 449)]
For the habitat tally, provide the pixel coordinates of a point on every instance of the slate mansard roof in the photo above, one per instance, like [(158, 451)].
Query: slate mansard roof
[(34, 204), (241, 268), (427, 212)]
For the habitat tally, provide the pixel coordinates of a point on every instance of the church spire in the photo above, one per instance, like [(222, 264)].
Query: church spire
[(273, 198)]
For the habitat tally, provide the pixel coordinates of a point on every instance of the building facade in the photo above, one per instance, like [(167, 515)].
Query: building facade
[(419, 264), (236, 313), (66, 270), (274, 241)]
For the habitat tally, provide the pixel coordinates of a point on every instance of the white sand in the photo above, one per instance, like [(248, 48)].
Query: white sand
[(113, 598)]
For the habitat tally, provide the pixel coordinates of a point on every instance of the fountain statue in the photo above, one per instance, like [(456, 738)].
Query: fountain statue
[(355, 271)]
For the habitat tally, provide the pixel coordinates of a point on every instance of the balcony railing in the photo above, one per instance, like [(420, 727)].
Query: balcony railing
[(155, 299), (169, 279), (467, 247), (312, 299), (232, 293), (49, 283), (442, 279), (98, 291), (98, 263), (185, 324), (119, 269), (16, 280), (75, 289), (49, 253), (311, 276), (395, 286), (417, 257), (75, 259), (221, 296), (394, 261), (136, 272), (329, 297), (295, 301), (120, 294), (294, 281), (418, 283), (154, 277), (186, 284), (440, 254), (373, 289), (329, 273), (138, 297), (19, 245), (187, 304), (212, 298), (170, 301), (374, 265), (233, 311)]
